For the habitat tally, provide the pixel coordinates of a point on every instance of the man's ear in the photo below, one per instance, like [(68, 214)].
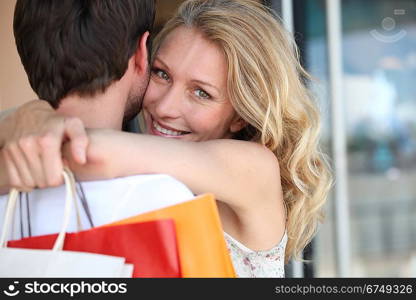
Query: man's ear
[(237, 124), (141, 55)]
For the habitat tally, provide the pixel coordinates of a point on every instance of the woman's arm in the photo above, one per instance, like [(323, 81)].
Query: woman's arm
[(243, 176), (239, 173)]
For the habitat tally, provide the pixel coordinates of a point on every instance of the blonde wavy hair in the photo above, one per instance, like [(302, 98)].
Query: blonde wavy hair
[(266, 88)]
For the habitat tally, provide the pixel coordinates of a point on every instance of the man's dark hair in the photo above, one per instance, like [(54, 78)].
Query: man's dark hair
[(78, 46)]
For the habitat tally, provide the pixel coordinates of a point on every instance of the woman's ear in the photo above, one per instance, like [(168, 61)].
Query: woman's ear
[(141, 54), (237, 124)]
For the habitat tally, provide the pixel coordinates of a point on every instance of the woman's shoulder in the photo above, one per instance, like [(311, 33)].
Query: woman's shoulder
[(243, 149)]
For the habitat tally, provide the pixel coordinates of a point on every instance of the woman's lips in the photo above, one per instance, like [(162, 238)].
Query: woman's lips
[(159, 129)]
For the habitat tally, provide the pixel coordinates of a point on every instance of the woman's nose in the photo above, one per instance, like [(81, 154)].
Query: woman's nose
[(169, 104)]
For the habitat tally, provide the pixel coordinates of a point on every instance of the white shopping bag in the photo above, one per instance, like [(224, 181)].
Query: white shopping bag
[(15, 262)]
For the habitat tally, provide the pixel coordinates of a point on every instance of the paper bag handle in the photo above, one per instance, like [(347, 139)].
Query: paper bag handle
[(70, 197)]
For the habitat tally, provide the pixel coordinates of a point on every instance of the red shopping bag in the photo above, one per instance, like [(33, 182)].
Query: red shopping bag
[(150, 246), (202, 248)]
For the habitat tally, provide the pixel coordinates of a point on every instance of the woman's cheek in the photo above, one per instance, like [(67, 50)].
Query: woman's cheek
[(151, 93)]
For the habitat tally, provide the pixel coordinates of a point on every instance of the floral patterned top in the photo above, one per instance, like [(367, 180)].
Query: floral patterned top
[(250, 263)]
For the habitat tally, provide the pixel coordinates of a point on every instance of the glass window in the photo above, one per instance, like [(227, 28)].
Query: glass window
[(379, 72), (379, 45)]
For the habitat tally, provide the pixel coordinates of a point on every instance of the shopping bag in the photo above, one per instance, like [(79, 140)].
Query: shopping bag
[(16, 262), (149, 246), (202, 248)]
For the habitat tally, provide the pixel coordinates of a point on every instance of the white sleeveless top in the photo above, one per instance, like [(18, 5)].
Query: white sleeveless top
[(250, 263)]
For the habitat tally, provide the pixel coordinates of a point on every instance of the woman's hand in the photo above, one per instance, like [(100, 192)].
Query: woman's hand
[(30, 141)]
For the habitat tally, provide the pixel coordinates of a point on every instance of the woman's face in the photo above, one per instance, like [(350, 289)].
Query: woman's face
[(187, 95)]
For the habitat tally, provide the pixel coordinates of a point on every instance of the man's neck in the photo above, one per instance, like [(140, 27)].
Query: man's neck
[(104, 110)]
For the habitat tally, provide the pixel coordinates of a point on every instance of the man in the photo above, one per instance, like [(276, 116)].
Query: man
[(88, 59)]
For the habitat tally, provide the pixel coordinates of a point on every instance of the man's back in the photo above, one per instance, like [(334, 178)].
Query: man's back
[(108, 201)]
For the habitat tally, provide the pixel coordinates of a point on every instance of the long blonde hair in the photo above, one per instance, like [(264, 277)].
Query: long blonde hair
[(265, 86)]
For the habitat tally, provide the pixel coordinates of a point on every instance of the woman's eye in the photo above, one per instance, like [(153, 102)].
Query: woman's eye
[(202, 94), (161, 74)]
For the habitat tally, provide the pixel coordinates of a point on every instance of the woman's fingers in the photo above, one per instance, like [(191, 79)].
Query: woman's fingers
[(34, 149), (15, 179), (29, 147), (34, 161), (51, 158), (78, 139)]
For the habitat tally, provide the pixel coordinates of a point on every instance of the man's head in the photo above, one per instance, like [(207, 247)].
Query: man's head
[(80, 46)]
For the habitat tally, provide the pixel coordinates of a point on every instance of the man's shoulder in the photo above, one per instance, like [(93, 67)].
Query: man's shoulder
[(108, 200), (139, 184), (127, 196), (149, 186)]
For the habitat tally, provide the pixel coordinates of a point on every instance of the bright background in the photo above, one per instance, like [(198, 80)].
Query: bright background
[(362, 54)]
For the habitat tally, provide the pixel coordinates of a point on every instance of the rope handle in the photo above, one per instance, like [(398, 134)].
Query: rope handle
[(70, 198)]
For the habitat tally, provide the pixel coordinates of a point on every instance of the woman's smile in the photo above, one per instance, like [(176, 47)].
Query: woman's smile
[(164, 130)]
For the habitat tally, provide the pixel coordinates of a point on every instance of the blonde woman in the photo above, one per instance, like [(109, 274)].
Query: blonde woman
[(227, 112)]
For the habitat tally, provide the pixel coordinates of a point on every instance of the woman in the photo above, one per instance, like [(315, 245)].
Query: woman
[(226, 112)]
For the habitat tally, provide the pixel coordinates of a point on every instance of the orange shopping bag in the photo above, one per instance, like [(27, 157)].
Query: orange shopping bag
[(202, 248)]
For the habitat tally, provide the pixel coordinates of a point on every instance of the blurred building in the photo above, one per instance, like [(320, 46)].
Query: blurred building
[(362, 54)]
